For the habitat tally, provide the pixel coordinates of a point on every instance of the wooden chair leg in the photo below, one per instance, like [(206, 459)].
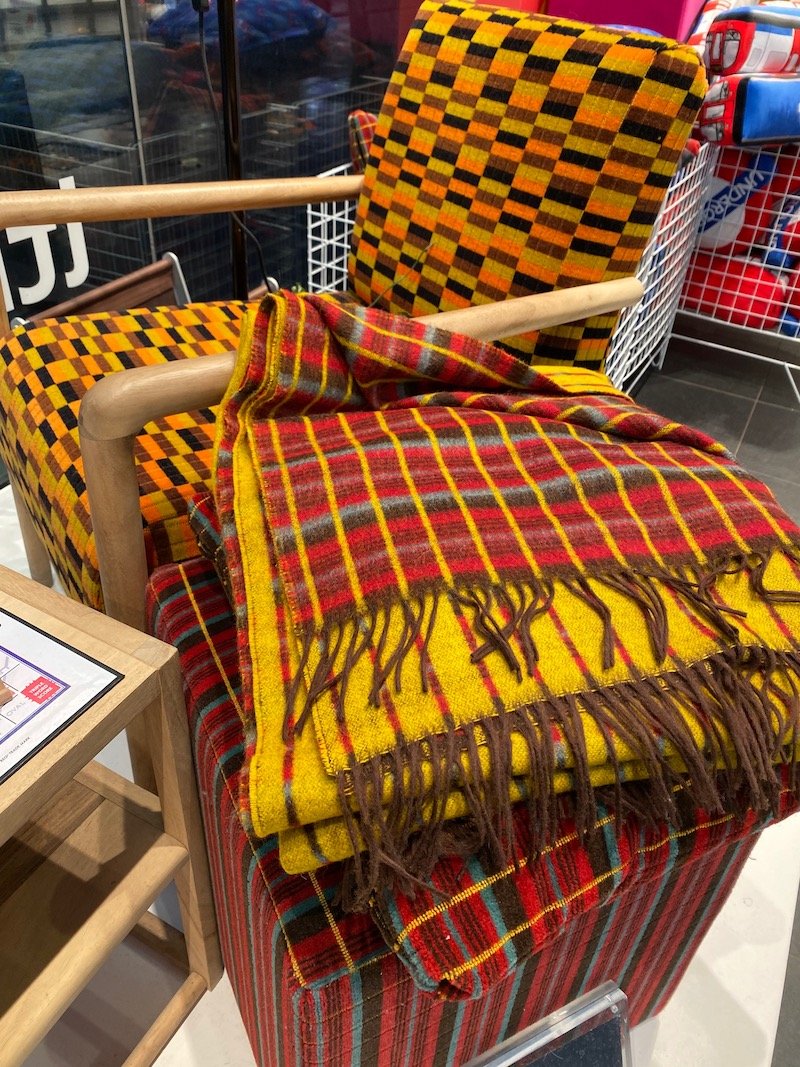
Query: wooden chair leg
[(137, 736), (180, 805), (36, 553)]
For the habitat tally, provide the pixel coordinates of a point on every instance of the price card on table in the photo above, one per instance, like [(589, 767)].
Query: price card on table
[(44, 685)]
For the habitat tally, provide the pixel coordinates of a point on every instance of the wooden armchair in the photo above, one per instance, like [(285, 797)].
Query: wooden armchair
[(531, 161)]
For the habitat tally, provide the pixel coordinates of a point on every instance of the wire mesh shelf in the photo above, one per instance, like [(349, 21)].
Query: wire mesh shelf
[(743, 282), (643, 331), (328, 230)]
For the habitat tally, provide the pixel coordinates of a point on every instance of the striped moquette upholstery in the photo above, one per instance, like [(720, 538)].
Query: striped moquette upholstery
[(516, 153), (44, 372), (318, 988)]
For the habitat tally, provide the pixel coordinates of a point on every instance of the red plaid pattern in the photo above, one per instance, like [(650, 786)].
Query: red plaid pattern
[(361, 127), (595, 477)]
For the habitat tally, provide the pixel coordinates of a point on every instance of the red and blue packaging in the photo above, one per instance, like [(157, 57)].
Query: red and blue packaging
[(751, 109), (754, 40), (747, 269)]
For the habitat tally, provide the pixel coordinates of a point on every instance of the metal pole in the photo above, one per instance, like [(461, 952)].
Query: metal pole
[(232, 128)]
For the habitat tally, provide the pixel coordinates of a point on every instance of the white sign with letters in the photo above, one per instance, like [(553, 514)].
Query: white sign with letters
[(39, 236)]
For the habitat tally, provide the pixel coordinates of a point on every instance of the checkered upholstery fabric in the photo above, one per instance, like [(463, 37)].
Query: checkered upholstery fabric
[(44, 372), (516, 153), (317, 987)]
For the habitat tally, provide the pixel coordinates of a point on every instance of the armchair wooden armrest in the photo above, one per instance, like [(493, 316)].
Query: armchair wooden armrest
[(115, 203)]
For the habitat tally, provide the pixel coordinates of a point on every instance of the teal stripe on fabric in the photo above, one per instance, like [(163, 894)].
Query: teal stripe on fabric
[(667, 874), (558, 893), (357, 1002), (200, 728), (512, 1000), (465, 954), (412, 1014), (457, 1024), (489, 900), (277, 954), (476, 1040), (669, 866), (611, 919), (320, 1024), (711, 906), (610, 839), (609, 924), (221, 765)]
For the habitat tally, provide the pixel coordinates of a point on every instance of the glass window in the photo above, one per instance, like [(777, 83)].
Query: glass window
[(105, 92)]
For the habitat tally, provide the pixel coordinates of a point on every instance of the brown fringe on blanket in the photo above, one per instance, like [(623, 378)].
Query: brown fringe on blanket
[(749, 723), (500, 613), (759, 722)]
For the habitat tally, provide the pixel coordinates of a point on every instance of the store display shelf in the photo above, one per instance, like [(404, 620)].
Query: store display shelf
[(742, 289), (642, 331)]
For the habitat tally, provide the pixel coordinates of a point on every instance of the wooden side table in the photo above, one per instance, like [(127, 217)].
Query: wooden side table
[(84, 852)]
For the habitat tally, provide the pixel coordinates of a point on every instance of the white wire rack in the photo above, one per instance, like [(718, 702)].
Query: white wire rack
[(328, 230), (642, 333), (745, 269)]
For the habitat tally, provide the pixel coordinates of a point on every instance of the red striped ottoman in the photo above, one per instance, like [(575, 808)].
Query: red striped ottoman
[(320, 988)]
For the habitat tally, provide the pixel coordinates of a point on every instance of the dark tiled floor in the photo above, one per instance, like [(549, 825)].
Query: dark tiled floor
[(751, 407)]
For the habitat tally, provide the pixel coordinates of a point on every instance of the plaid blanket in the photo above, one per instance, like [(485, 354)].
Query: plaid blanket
[(461, 583)]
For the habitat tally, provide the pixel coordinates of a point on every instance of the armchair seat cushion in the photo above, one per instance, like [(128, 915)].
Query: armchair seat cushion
[(317, 986), (45, 370)]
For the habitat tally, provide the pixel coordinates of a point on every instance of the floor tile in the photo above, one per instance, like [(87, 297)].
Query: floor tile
[(721, 415), (777, 388), (729, 372), (771, 444)]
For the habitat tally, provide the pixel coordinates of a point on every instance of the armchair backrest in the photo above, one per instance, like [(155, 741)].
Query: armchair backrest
[(516, 153)]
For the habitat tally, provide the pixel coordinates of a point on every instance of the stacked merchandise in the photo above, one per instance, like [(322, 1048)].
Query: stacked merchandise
[(746, 268)]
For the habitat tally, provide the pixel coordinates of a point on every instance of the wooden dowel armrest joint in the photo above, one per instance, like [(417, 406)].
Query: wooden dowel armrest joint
[(120, 404)]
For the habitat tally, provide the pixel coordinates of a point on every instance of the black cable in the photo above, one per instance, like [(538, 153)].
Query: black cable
[(218, 131)]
